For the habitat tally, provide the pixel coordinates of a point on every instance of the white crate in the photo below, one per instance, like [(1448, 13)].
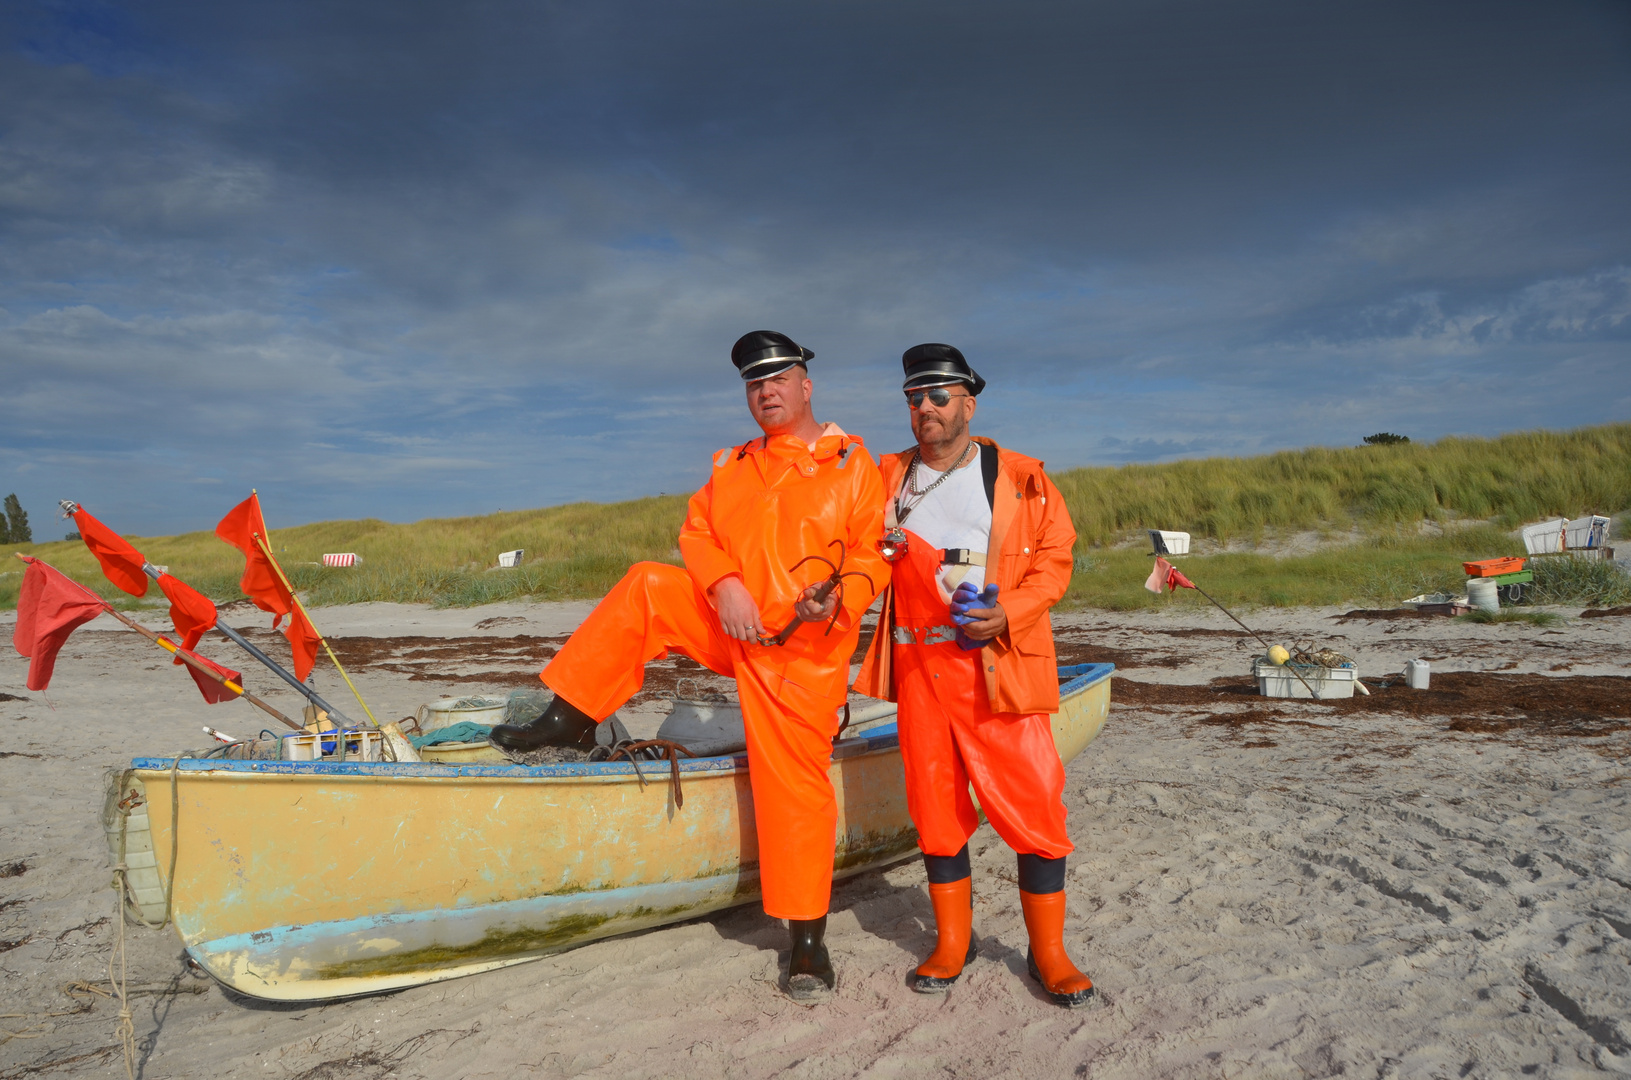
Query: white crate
[(1545, 538), (1169, 543), (359, 746), (511, 558), (1278, 681), (1590, 531)]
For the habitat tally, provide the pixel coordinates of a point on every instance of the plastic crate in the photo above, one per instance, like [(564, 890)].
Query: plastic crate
[(1586, 532), (1544, 538), (1278, 681), (1169, 543), (1511, 564), (359, 746)]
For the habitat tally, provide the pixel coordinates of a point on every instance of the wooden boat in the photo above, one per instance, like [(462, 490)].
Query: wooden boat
[(313, 880)]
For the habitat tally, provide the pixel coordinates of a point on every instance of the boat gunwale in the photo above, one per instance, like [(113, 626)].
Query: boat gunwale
[(875, 740)]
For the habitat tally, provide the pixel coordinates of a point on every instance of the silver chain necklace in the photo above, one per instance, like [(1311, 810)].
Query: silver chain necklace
[(911, 480)]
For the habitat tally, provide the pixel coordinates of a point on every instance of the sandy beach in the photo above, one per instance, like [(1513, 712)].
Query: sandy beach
[(1415, 884)]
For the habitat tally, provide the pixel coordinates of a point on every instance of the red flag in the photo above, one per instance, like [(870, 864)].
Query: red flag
[(49, 608), (1176, 579), (213, 692), (191, 611), (120, 562), (303, 642), (1158, 576), (261, 582)]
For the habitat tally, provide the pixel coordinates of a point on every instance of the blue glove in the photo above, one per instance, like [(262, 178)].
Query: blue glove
[(964, 600)]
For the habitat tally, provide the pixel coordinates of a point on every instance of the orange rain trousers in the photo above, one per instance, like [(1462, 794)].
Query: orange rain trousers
[(949, 737), (656, 608)]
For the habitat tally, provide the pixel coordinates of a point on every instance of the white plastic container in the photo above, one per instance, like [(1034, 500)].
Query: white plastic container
[(439, 714), (1169, 543), (1280, 682), (1545, 538), (511, 558), (1416, 673), (1587, 532), (359, 746), (1483, 594)]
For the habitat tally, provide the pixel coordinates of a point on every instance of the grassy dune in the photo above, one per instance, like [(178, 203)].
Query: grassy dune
[(579, 551)]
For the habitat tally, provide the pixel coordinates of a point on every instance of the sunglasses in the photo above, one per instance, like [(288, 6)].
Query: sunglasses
[(938, 396)]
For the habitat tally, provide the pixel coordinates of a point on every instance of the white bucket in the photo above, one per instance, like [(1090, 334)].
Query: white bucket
[(481, 710), (1483, 593), (1416, 673)]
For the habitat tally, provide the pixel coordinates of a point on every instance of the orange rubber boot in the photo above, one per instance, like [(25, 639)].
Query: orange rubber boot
[(1046, 959), (954, 922)]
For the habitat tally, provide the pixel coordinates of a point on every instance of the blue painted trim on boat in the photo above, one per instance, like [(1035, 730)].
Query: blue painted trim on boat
[(883, 737)]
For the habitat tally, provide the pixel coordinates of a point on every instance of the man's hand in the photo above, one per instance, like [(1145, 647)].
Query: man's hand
[(738, 614), (989, 622), (807, 609)]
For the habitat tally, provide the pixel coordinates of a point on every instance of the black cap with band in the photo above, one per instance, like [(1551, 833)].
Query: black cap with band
[(933, 364), (759, 354)]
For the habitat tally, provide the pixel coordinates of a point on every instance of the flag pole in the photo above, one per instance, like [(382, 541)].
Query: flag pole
[(260, 541), (187, 657)]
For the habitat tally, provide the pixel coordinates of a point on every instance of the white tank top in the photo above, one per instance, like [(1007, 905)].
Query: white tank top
[(953, 515)]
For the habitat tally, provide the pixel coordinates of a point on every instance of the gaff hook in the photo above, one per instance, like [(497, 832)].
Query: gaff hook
[(834, 581)]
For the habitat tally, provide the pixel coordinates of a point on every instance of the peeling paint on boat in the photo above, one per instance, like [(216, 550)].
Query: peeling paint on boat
[(315, 880)]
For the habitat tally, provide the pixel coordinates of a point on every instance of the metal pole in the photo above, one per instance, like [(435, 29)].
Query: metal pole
[(272, 665), (277, 669)]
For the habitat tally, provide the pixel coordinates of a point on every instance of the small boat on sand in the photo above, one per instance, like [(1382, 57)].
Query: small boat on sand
[(308, 880)]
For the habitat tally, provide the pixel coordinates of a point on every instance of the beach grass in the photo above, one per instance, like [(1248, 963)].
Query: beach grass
[(1507, 481), (1586, 582), (1473, 492)]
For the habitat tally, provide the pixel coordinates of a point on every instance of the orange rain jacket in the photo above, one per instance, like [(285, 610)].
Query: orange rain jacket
[(770, 503), (1033, 536)]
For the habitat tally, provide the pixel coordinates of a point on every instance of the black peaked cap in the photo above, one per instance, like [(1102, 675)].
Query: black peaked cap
[(759, 354), (933, 364)]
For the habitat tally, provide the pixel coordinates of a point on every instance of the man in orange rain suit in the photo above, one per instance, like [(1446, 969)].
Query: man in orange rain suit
[(974, 669), (769, 503)]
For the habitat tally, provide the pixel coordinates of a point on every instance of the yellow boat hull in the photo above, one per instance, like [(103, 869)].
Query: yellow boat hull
[(314, 880)]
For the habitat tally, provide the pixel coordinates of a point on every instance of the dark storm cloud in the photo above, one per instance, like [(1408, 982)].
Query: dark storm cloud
[(406, 260)]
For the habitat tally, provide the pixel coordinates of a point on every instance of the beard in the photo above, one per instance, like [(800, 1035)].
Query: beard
[(945, 433)]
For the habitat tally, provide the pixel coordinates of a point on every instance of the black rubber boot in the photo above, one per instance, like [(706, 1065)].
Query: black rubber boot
[(563, 724), (810, 976)]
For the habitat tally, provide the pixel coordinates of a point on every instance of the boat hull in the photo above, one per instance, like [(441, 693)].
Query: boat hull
[(302, 880)]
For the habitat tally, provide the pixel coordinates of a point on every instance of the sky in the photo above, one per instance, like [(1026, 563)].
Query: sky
[(409, 260)]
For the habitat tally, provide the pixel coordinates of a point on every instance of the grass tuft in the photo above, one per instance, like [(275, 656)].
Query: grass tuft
[(1586, 582)]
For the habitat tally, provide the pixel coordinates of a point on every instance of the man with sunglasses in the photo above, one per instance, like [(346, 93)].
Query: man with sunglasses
[(802, 489), (980, 543)]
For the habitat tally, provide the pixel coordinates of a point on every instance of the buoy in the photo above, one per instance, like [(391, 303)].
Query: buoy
[(1278, 655)]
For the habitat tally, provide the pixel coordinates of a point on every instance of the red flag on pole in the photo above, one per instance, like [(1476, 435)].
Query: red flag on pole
[(1176, 579), (213, 692), (120, 562), (261, 582), (49, 608), (1166, 576), (303, 643), (1158, 576), (191, 612)]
